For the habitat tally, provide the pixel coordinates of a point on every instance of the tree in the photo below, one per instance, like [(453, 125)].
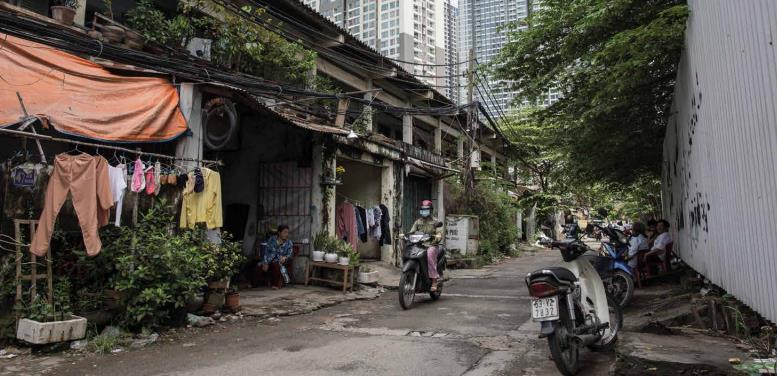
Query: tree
[(615, 63), (539, 147)]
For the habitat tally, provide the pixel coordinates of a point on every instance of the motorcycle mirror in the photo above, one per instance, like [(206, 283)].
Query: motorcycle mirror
[(438, 224)]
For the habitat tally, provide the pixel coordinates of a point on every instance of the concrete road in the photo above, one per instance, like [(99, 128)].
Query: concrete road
[(480, 326)]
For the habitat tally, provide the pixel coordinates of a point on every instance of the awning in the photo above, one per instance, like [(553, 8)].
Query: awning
[(79, 97)]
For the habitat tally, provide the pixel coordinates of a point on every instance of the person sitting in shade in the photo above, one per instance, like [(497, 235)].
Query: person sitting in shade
[(277, 256)]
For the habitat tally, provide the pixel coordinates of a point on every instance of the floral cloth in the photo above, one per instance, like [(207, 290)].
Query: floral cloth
[(275, 251)]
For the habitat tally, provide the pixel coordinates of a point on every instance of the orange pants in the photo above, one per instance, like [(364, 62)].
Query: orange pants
[(80, 176)]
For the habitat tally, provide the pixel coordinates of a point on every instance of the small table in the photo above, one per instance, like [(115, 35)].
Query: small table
[(348, 272)]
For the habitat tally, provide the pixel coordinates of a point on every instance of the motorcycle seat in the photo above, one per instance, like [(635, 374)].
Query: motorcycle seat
[(562, 274)]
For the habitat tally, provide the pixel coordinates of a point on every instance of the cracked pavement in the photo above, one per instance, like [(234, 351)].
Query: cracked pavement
[(480, 326)]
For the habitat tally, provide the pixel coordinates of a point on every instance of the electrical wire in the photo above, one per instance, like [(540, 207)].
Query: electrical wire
[(182, 68)]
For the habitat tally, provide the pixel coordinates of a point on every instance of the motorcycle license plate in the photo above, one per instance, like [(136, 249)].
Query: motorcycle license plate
[(544, 309)]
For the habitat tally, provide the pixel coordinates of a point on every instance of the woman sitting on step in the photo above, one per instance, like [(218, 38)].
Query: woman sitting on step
[(277, 256)]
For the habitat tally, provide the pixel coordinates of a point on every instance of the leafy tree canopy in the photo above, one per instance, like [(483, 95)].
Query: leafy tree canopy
[(615, 63)]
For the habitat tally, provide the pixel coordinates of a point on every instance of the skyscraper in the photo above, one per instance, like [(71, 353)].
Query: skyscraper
[(417, 31), (452, 69), (484, 29)]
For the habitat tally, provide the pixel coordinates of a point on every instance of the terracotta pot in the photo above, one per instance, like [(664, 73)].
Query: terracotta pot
[(208, 309), (64, 15), (195, 303), (233, 302)]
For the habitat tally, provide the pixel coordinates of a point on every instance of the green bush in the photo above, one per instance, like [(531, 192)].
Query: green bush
[(497, 214), (160, 267)]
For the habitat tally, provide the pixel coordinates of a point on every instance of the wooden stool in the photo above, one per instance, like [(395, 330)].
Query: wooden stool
[(348, 272)]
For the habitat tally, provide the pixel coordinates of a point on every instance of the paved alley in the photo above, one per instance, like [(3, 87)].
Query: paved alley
[(480, 326)]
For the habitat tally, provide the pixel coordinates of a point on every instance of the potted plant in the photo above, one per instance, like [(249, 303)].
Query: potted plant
[(43, 324), (64, 11), (320, 242), (339, 172), (367, 275), (331, 250), (343, 258), (232, 300)]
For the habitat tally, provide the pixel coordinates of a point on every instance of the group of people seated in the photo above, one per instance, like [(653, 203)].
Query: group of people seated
[(652, 240)]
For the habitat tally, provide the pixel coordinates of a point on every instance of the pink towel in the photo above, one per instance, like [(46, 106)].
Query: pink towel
[(138, 180)]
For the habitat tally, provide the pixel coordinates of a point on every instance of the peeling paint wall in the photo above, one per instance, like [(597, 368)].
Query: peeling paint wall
[(719, 153)]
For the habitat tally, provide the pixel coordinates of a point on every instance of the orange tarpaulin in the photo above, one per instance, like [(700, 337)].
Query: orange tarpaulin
[(79, 97)]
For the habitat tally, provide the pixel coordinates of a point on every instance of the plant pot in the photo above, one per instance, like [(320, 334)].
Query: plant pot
[(112, 300), (344, 261), (232, 302), (98, 318), (195, 303), (64, 15), (369, 277), (215, 298), (218, 285), (318, 255), (208, 309), (41, 333), (330, 258)]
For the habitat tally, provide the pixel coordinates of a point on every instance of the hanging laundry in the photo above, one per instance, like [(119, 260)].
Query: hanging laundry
[(157, 177), (138, 177), (199, 181), (102, 178), (345, 224), (375, 229), (385, 236), (361, 223), (74, 174), (24, 176), (370, 218), (150, 182), (203, 206), (181, 180), (117, 176), (19, 198)]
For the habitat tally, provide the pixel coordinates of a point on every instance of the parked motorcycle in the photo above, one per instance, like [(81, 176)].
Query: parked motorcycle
[(613, 268), (415, 270), (573, 307)]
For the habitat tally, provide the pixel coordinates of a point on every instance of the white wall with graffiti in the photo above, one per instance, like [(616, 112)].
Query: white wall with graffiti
[(720, 151)]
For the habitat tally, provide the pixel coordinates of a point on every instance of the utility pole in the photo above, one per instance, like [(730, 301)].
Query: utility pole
[(471, 129)]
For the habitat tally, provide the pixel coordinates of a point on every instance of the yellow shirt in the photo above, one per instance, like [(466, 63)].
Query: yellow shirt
[(204, 206)]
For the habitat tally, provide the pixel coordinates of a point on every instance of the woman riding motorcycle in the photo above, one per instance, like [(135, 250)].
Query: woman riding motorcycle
[(428, 225)]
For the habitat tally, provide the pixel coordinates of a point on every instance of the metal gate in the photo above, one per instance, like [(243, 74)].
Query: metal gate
[(285, 198), (416, 190)]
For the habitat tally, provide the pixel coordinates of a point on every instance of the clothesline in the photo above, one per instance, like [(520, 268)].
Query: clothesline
[(355, 202), (23, 134)]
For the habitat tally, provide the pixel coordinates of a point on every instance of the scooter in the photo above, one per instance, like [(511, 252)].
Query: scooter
[(614, 269), (573, 307), (415, 275)]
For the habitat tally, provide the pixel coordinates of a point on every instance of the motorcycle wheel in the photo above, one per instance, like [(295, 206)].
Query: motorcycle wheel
[(406, 291), (623, 287), (436, 295), (565, 353), (607, 343)]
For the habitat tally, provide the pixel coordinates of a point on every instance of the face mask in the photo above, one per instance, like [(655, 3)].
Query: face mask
[(426, 213)]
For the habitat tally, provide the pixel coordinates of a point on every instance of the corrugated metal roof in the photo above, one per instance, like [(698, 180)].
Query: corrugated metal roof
[(719, 152)]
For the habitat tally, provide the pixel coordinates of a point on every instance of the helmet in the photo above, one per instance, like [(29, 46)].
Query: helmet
[(426, 204)]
